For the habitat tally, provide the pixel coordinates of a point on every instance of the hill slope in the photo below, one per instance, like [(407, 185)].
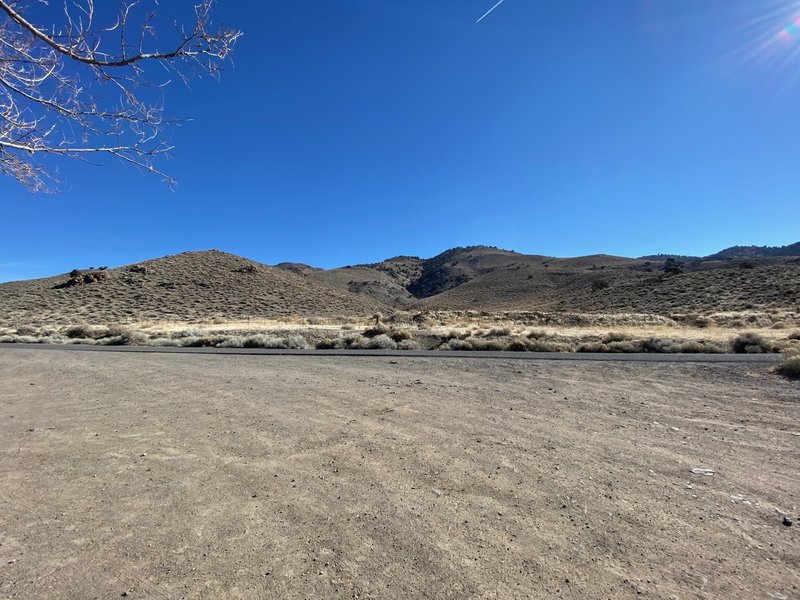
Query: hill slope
[(490, 279), (204, 285), (627, 289), (184, 287), (735, 252)]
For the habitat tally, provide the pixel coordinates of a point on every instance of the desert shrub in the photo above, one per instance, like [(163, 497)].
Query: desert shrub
[(789, 368), (487, 344), (474, 343), (382, 342), (537, 334), (593, 347), (655, 345), (376, 330), (795, 335), (701, 322), (398, 335), (544, 346), (673, 266), (422, 319), (190, 332), (702, 347), (614, 337), (626, 347), (750, 343), (456, 344), (408, 345), (499, 332), (326, 344), (262, 341), (94, 332), (7, 339), (124, 338), (162, 341), (599, 284), (212, 341), (116, 330), (81, 341), (26, 330), (235, 341), (79, 331), (354, 342), (517, 345), (296, 342), (692, 348), (136, 338), (116, 335)]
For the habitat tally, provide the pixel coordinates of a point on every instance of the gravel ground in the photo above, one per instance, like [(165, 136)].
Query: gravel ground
[(204, 476)]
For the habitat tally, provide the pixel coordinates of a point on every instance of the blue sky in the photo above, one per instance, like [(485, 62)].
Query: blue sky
[(354, 130)]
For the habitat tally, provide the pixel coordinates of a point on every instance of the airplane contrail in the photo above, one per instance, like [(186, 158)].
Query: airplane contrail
[(489, 11)]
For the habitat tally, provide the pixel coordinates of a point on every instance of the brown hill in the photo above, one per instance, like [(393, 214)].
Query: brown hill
[(183, 287), (626, 288), (299, 268), (366, 281), (205, 285), (491, 279)]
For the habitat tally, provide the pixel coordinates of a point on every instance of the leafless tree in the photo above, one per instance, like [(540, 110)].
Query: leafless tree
[(81, 88)]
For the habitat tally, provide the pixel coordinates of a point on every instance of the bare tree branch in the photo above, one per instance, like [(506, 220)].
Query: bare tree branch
[(54, 86)]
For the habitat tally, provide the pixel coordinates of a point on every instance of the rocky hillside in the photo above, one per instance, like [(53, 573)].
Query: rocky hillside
[(486, 278)]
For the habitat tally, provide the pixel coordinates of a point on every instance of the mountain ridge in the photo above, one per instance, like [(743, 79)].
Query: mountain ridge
[(217, 285)]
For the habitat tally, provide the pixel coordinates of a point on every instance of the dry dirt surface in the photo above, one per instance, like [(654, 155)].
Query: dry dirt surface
[(191, 476)]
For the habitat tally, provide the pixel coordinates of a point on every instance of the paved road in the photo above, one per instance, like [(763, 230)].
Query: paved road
[(684, 358)]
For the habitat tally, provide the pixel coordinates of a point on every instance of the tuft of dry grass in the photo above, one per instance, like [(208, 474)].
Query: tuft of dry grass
[(789, 368)]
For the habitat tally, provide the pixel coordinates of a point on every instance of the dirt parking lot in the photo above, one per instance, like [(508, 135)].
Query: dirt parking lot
[(202, 476)]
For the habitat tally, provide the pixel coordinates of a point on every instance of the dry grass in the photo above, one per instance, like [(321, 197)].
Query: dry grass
[(446, 331), (789, 368)]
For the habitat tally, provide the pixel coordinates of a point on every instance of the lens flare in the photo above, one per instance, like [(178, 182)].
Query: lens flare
[(790, 31), (762, 43)]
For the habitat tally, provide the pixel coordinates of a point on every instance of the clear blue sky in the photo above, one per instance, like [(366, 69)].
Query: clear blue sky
[(354, 130)]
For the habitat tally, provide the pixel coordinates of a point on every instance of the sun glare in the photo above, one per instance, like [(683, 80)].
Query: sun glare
[(764, 42), (790, 31)]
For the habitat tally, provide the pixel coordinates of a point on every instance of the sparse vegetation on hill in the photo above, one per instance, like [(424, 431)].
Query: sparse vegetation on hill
[(704, 305), (184, 287)]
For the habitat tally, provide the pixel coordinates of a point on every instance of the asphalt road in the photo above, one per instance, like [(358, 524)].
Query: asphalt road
[(577, 356)]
